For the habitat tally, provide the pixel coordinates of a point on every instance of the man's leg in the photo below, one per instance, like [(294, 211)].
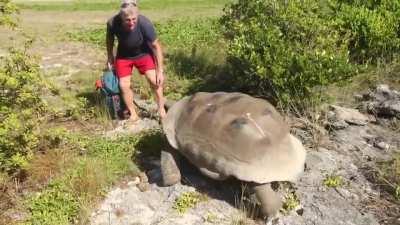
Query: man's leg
[(158, 90), (127, 95)]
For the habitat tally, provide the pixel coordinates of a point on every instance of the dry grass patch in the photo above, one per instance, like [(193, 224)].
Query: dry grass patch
[(48, 165)]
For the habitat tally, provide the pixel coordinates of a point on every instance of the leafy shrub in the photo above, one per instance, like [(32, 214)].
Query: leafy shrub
[(53, 206), (373, 26), (284, 49), (20, 109), (7, 10), (290, 50)]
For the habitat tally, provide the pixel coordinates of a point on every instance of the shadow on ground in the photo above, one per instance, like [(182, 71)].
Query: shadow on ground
[(231, 191)]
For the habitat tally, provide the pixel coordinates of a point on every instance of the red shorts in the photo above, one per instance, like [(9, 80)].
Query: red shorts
[(123, 67)]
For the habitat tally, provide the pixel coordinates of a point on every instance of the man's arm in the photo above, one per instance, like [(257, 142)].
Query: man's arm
[(157, 49), (110, 47)]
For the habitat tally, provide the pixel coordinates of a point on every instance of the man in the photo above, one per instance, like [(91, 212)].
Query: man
[(139, 47)]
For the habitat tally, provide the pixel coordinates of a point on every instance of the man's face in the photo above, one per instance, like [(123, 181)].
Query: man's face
[(129, 21)]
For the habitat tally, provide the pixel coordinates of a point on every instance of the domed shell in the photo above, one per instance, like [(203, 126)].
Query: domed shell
[(234, 134)]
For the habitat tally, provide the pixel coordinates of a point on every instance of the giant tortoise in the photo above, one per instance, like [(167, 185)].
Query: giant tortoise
[(233, 135)]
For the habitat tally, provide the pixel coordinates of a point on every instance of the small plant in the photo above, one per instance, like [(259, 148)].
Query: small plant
[(187, 201), (210, 218), (7, 11), (82, 179), (397, 192), (53, 206), (333, 181), (291, 202), (388, 175)]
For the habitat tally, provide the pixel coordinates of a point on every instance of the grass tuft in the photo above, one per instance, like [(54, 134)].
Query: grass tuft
[(187, 201), (333, 181)]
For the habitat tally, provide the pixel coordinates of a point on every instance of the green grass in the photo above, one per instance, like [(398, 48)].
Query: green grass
[(106, 5), (388, 175), (100, 163), (290, 203), (187, 201), (333, 181)]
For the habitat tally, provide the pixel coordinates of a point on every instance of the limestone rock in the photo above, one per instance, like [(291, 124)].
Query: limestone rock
[(350, 116), (383, 102)]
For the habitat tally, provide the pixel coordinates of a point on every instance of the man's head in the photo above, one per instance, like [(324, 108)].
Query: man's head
[(129, 15), (125, 3)]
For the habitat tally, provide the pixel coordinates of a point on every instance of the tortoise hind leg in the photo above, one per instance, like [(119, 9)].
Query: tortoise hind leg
[(269, 199), (169, 168)]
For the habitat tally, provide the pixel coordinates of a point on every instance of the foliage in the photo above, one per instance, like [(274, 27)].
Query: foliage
[(53, 206), (333, 181), (373, 26), (20, 109), (100, 162), (290, 50), (291, 202), (150, 143), (285, 47), (7, 10), (80, 110), (389, 176), (187, 200)]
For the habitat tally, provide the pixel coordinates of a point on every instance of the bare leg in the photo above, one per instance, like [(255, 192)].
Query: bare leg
[(127, 95), (169, 168), (269, 199), (158, 90)]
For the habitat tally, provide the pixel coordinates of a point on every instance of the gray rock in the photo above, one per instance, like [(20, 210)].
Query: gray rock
[(350, 116), (341, 124), (383, 102), (382, 145), (355, 148)]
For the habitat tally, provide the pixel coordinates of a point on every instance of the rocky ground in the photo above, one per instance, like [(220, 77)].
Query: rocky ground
[(354, 141), (347, 144)]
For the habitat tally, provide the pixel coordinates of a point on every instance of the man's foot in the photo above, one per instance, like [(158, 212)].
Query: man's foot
[(162, 113), (132, 121), (133, 118)]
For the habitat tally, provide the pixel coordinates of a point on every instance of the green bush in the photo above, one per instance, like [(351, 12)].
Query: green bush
[(20, 109), (53, 206), (292, 49), (373, 27), (284, 48), (7, 10)]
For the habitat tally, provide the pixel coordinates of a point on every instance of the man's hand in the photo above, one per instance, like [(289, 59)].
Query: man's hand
[(159, 78)]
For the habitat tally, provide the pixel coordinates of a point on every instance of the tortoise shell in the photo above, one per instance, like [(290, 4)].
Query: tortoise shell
[(234, 134)]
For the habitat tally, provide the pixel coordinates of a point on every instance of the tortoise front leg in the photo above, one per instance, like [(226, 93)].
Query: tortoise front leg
[(269, 199), (169, 167)]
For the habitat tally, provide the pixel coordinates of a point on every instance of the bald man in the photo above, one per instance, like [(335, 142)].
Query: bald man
[(138, 47)]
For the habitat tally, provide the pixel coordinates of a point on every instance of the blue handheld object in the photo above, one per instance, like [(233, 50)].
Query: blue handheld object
[(110, 83)]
